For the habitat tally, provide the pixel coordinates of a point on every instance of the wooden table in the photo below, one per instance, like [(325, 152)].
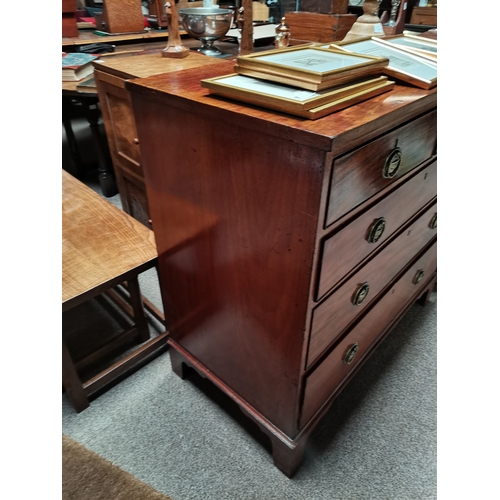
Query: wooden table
[(102, 247), (87, 37)]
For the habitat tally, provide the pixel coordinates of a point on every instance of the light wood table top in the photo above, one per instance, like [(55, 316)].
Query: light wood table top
[(87, 36), (102, 245)]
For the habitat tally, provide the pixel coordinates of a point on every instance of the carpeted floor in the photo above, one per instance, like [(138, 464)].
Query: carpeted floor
[(87, 476)]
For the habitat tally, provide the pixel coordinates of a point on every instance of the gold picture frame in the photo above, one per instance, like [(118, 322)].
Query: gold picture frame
[(424, 47), (402, 65), (293, 100), (309, 67)]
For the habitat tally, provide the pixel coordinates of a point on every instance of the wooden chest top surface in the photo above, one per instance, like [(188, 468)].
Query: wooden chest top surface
[(349, 127)]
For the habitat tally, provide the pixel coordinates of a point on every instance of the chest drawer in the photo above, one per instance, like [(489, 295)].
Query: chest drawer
[(117, 108), (328, 376), (352, 244), (332, 316), (360, 174)]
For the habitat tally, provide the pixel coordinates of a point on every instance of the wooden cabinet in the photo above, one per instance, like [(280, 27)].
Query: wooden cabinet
[(119, 122), (296, 245), (424, 15)]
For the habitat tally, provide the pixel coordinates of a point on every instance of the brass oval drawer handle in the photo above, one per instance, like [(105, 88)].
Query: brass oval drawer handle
[(376, 230), (418, 277), (136, 141), (433, 224), (360, 294), (350, 353), (392, 163)]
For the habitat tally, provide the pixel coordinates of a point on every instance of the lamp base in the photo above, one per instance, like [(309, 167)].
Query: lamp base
[(364, 30), (368, 24)]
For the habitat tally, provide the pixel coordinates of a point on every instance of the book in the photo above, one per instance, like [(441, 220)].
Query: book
[(87, 85), (76, 66)]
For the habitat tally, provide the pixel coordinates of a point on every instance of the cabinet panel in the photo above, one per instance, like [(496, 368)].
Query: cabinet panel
[(334, 369), (359, 175), (352, 244)]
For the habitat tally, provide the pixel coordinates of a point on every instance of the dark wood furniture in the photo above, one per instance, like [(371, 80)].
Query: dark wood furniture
[(119, 122), (89, 102), (120, 16), (103, 247), (319, 27), (424, 15), (313, 238), (69, 26)]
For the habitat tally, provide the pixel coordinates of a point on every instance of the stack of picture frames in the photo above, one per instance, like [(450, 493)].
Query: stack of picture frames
[(412, 59), (312, 81), (307, 81)]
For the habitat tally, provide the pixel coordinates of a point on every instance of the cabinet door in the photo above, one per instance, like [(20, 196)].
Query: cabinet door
[(121, 131)]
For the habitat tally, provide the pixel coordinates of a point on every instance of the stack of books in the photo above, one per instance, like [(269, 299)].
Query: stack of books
[(76, 66), (306, 81)]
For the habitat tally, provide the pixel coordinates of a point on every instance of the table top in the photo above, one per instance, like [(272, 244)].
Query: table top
[(101, 244), (88, 36)]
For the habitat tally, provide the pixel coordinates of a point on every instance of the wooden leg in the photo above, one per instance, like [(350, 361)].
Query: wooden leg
[(72, 383), (70, 136), (285, 458), (106, 174), (178, 366), (138, 308), (424, 298)]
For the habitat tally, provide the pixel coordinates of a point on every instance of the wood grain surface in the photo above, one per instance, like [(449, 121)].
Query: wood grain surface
[(100, 243)]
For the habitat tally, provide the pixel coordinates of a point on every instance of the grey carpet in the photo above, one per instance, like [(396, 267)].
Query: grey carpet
[(377, 442)]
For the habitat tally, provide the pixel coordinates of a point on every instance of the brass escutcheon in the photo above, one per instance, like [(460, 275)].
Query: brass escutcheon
[(351, 353), (392, 163), (433, 224), (376, 230), (361, 294), (418, 277)]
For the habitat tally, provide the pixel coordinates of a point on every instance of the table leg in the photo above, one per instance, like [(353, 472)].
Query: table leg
[(72, 383), (106, 175), (138, 308), (73, 147)]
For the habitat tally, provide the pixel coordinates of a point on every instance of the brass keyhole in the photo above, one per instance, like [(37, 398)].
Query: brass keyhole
[(392, 163), (418, 277), (350, 353), (360, 294), (433, 224), (376, 230)]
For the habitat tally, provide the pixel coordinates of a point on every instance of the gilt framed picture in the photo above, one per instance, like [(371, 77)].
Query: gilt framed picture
[(293, 100), (310, 67), (423, 47), (410, 68)]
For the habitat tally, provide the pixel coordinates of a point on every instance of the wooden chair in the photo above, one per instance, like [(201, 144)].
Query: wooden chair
[(104, 249)]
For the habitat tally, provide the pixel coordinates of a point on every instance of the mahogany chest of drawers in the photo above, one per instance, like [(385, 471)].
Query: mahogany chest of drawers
[(287, 248)]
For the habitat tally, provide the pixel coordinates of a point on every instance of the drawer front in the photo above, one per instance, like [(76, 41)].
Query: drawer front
[(360, 174), (349, 246), (120, 126), (323, 381), (332, 316)]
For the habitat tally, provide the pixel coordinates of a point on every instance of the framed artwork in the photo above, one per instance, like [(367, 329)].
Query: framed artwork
[(294, 100), (419, 46), (310, 67), (403, 65)]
